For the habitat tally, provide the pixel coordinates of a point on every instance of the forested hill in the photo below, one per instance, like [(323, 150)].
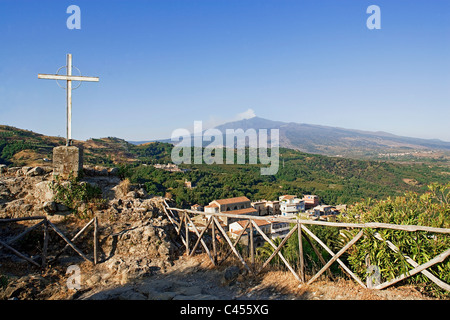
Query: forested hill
[(335, 179)]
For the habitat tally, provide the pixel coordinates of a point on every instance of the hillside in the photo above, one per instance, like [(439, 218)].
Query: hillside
[(21, 147), (335, 179)]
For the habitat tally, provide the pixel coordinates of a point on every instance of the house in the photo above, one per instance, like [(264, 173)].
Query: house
[(290, 205), (311, 201), (273, 229), (322, 210), (273, 208), (232, 206), (260, 207), (267, 208), (236, 228)]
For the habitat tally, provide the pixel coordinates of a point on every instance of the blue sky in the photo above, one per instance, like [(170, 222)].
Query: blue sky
[(164, 64)]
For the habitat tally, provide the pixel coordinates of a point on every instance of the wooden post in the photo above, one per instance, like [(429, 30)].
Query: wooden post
[(213, 235), (251, 248), (300, 252), (187, 232), (45, 246), (95, 240)]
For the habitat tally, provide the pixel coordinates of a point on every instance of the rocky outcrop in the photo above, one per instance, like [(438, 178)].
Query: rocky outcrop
[(26, 191), (135, 238)]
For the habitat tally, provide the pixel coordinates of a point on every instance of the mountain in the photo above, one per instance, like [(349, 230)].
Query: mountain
[(334, 141)]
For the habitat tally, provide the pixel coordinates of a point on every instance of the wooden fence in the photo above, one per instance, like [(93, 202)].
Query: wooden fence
[(178, 217), (47, 226)]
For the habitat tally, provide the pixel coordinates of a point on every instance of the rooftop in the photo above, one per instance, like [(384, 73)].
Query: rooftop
[(242, 211), (232, 200)]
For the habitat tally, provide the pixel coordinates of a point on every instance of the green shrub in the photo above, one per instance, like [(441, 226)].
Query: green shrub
[(429, 209), (81, 197)]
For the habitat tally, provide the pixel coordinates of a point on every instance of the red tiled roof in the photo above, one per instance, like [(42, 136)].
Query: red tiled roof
[(242, 223), (232, 200), (242, 211)]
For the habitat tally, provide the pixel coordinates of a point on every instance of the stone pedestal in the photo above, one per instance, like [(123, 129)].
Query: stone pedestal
[(67, 160)]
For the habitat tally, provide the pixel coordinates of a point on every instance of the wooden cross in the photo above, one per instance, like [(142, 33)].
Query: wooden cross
[(68, 78)]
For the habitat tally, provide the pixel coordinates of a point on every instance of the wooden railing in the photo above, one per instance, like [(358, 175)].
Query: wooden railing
[(47, 225), (178, 217)]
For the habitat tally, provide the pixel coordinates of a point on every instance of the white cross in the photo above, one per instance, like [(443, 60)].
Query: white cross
[(69, 78)]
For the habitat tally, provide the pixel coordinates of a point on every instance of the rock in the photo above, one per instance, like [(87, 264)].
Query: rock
[(42, 192), (168, 295), (189, 291), (230, 275), (131, 195), (25, 170), (36, 171), (13, 170), (114, 172), (132, 295), (50, 207), (62, 208), (203, 297), (94, 280)]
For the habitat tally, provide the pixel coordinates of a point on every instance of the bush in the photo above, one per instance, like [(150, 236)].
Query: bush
[(429, 209), (80, 197)]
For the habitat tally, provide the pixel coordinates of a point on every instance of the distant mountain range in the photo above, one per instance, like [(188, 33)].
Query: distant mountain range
[(335, 141)]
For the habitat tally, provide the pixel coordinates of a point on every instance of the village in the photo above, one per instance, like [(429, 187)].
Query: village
[(287, 206)]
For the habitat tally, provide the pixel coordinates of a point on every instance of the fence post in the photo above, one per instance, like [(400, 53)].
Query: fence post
[(45, 246), (300, 252), (213, 235), (95, 240), (251, 248), (187, 232)]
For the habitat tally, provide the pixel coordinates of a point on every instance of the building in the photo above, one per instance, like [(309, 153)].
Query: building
[(273, 229), (323, 210), (267, 208), (311, 201), (260, 207), (188, 184), (273, 208), (290, 205), (232, 206)]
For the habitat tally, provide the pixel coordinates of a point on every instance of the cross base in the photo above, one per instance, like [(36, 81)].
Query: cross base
[(67, 161)]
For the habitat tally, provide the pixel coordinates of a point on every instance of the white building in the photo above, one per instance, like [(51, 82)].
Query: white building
[(290, 205), (232, 206), (273, 229)]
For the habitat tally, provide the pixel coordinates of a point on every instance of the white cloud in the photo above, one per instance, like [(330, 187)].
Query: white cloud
[(250, 113), (214, 121)]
